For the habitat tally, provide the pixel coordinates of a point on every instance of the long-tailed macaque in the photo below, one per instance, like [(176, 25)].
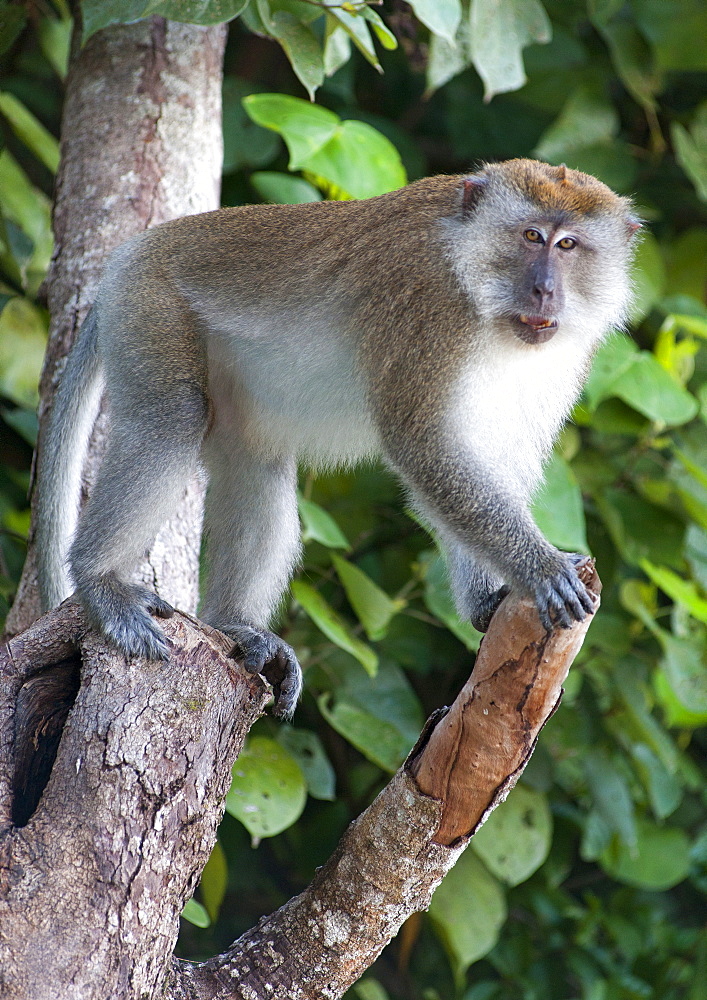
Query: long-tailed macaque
[(447, 326)]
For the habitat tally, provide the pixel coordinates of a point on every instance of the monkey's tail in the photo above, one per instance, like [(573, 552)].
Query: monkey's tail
[(60, 462)]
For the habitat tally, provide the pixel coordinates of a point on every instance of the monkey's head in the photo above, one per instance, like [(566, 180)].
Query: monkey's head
[(544, 250)]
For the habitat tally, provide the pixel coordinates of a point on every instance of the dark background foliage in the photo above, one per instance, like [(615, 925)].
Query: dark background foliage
[(590, 882)]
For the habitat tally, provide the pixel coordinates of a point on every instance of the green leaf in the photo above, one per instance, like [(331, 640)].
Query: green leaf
[(382, 32), (648, 277), (641, 530), (500, 30), (468, 911), (380, 741), (358, 31), (516, 838), (659, 859), (663, 787), (55, 42), (630, 53), (615, 356), (686, 264), (370, 989), (676, 30), (442, 17), (380, 716), (447, 59), (558, 508), (611, 795), (337, 46), (302, 48), (372, 605), (30, 131), (682, 591), (319, 525), (198, 11), (214, 880), (676, 714), (284, 189), (333, 626), (648, 388), (587, 118), (359, 160), (439, 600), (684, 664), (23, 338), (305, 127), (196, 914), (691, 150), (97, 14), (268, 791), (307, 750), (30, 209), (350, 155)]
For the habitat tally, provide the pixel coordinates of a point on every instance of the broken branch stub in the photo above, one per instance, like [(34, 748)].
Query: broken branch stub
[(475, 754)]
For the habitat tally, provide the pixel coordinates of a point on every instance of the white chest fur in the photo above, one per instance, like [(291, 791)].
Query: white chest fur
[(511, 402)]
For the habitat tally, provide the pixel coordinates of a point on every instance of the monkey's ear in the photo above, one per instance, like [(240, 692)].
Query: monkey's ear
[(471, 189), (633, 224)]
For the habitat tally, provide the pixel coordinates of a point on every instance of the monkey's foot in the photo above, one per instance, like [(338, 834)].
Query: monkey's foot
[(264, 653), (122, 613), (485, 607), (562, 599)]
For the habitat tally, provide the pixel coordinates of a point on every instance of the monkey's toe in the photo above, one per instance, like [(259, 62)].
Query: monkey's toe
[(264, 653), (136, 636), (485, 608)]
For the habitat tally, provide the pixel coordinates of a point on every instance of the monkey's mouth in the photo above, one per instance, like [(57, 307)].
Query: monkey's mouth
[(536, 329)]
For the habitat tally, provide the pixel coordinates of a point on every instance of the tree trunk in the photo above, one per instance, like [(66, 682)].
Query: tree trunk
[(141, 144)]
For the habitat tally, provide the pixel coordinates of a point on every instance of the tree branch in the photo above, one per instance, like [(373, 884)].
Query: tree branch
[(393, 857)]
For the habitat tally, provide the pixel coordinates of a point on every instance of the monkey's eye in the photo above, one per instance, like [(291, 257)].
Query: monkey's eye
[(533, 236), (567, 243)]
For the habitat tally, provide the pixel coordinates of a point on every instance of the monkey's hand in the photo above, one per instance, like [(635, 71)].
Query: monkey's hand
[(264, 653), (560, 596)]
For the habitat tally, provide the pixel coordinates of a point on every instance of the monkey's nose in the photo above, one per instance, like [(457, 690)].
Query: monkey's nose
[(544, 288)]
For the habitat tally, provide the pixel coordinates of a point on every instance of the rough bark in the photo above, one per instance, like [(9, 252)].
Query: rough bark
[(140, 144), (91, 888)]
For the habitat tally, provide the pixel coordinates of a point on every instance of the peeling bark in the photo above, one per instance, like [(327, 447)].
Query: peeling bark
[(91, 888), (396, 853)]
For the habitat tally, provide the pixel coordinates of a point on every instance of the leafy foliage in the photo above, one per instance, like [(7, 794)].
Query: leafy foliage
[(590, 882)]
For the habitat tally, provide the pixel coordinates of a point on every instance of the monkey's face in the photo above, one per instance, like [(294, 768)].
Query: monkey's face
[(537, 269)]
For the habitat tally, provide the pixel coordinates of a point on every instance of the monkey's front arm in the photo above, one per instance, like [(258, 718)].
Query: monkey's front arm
[(492, 541)]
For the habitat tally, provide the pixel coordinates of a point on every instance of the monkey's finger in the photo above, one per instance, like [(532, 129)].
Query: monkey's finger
[(159, 607), (289, 688)]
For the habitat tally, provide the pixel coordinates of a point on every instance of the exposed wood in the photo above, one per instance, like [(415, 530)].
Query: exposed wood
[(478, 750)]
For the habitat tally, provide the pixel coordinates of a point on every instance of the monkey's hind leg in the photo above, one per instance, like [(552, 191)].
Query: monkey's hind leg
[(152, 450), (252, 546)]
